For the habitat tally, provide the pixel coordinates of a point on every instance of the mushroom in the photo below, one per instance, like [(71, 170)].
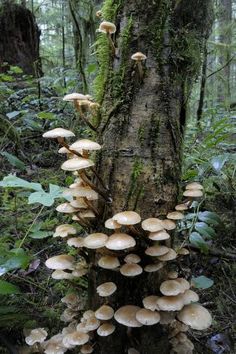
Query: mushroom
[(76, 242), (96, 240), (181, 207), (194, 186), (37, 335), (71, 97), (61, 262), (106, 289), (132, 258), (159, 235), (126, 315), (86, 349), (147, 317), (65, 208), (156, 250), (106, 329), (76, 338), (131, 270), (64, 230), (169, 256), (85, 145), (150, 302), (112, 224), (193, 193), (172, 274), (104, 313), (152, 225), (170, 303), (108, 262), (108, 28), (171, 288), (190, 296), (75, 164), (58, 133), (120, 241), (195, 316), (175, 215), (129, 219), (60, 275), (150, 268), (139, 58)]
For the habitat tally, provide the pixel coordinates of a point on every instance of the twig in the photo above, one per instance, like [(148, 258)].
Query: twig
[(214, 252), (222, 67)]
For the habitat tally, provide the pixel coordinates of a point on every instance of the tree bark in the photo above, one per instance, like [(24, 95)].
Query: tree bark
[(19, 42), (141, 129)]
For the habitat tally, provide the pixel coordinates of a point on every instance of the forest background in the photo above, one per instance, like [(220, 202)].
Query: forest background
[(30, 104)]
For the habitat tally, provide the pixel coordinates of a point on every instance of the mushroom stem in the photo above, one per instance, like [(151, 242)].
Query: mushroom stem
[(90, 205), (140, 69), (86, 121), (133, 229), (82, 221), (111, 43), (85, 179)]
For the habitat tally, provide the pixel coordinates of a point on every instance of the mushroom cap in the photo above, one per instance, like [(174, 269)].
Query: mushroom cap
[(106, 289), (106, 329), (172, 274), (168, 224), (126, 315), (81, 327), (150, 268), (65, 208), (150, 302), (37, 335), (159, 235), (85, 144), (152, 225), (60, 275), (58, 133), (96, 240), (107, 27), (120, 241), (132, 258), (104, 313), (194, 185), (183, 251), (108, 262), (169, 256), (76, 242), (175, 215), (147, 317), (74, 97), (138, 56), (190, 296), (133, 351), (81, 192), (75, 164), (78, 203), (64, 150), (170, 303), (61, 262), (171, 288), (86, 349), (87, 214), (181, 207), (92, 323), (64, 230), (193, 193), (156, 250), (88, 314), (184, 283), (112, 224), (195, 316), (70, 299), (127, 218), (131, 269), (76, 338)]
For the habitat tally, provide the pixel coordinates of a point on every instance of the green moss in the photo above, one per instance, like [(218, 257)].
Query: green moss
[(103, 50), (136, 172)]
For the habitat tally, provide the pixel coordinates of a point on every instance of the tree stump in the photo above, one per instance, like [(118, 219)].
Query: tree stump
[(19, 39)]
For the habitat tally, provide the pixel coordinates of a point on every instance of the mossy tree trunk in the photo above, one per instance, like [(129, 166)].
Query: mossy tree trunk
[(141, 128), (19, 38)]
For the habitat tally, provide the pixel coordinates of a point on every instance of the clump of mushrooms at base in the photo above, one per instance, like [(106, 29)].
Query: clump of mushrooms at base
[(130, 246)]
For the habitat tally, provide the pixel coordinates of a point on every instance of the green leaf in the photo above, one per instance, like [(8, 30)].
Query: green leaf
[(197, 240), (41, 198), (40, 234), (8, 288), (202, 282), (13, 114), (46, 115), (13, 181), (14, 259), (91, 68), (209, 217), (205, 230), (14, 161)]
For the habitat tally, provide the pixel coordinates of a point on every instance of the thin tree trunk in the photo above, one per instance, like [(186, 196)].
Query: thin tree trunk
[(203, 85), (141, 130)]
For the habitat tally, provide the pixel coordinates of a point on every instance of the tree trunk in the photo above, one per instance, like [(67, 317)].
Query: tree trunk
[(141, 129), (19, 44)]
